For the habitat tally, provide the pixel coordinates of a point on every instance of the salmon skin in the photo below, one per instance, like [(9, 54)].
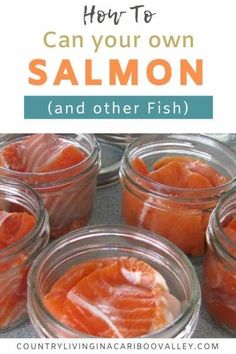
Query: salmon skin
[(219, 283), (113, 298), (13, 272), (39, 157), (182, 223)]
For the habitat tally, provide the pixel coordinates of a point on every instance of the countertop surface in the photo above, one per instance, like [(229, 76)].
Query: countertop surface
[(107, 211)]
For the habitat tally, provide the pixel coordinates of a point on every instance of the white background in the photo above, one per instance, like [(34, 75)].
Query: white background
[(165, 346), (23, 24)]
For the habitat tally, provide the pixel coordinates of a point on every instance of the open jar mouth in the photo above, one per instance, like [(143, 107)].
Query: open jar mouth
[(107, 241), (91, 148), (19, 193), (225, 209), (154, 147)]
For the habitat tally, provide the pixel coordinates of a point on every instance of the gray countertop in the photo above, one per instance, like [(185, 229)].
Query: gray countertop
[(107, 211)]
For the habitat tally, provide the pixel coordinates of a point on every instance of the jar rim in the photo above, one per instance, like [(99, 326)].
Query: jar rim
[(177, 193), (93, 231), (118, 139), (58, 173), (24, 242)]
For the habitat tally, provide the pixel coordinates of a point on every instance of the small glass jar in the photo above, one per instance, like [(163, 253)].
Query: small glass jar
[(16, 259), (69, 194), (113, 241), (179, 214), (219, 277)]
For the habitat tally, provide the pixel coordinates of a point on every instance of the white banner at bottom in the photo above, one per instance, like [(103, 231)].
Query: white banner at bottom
[(114, 346)]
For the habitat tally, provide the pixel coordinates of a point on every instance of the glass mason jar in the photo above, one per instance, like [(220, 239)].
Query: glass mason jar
[(118, 139), (69, 194), (219, 277), (16, 259), (112, 150), (113, 241), (179, 214)]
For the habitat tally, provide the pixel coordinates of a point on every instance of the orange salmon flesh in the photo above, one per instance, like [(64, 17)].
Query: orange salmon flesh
[(13, 273), (112, 297), (182, 223)]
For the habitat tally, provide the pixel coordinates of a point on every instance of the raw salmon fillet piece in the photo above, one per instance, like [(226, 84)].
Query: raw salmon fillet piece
[(113, 297), (184, 172), (219, 287), (55, 299), (14, 226), (140, 166), (177, 174), (13, 272), (182, 223), (41, 153)]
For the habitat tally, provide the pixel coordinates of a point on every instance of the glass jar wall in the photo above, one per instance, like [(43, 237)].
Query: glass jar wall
[(219, 278), (24, 232)]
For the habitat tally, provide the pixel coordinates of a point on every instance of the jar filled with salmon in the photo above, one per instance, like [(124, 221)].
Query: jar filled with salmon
[(113, 282), (62, 168), (219, 278), (171, 183), (24, 232)]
